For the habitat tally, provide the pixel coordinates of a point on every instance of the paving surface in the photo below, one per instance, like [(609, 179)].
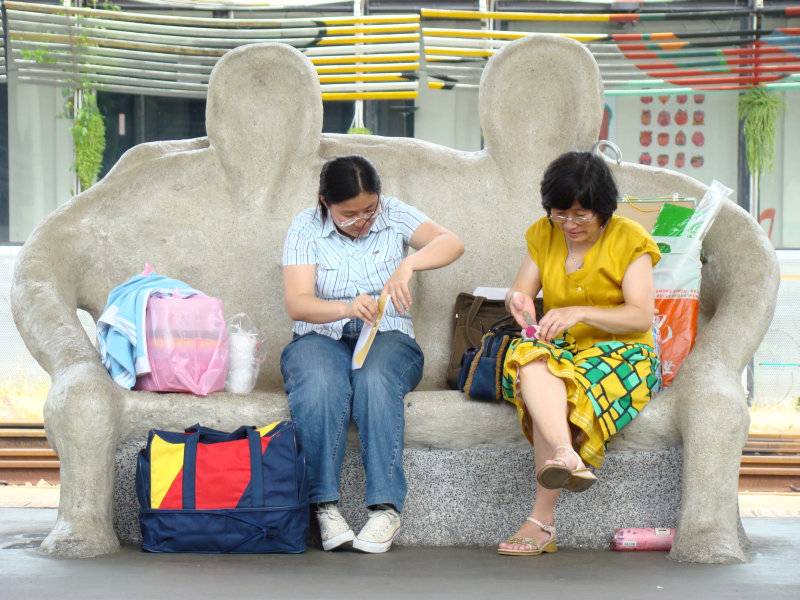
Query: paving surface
[(405, 572), (751, 504)]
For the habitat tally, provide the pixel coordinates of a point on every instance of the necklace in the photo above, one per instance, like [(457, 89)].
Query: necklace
[(571, 255), (578, 267)]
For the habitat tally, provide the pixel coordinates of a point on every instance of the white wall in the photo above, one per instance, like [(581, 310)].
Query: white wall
[(448, 117), (39, 155), (788, 217), (720, 131)]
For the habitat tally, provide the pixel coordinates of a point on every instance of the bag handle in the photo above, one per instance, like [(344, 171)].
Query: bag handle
[(190, 461), (507, 322), (256, 468), (471, 316), (189, 468)]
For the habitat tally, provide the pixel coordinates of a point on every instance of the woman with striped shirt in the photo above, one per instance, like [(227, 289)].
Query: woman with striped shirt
[(339, 258)]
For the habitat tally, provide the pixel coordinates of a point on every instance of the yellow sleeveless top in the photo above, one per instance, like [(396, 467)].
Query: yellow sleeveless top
[(599, 282)]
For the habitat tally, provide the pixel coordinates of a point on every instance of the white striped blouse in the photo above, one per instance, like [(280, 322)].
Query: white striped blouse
[(348, 268)]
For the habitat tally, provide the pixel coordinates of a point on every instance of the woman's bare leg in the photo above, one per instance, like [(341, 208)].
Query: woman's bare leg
[(545, 398)]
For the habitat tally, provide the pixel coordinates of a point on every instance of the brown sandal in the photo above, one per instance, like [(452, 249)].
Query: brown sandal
[(533, 548), (554, 476)]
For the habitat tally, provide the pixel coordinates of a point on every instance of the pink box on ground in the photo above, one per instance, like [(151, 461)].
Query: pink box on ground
[(644, 538)]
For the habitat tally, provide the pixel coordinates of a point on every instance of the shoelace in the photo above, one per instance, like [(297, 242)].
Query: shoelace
[(382, 518), (330, 511)]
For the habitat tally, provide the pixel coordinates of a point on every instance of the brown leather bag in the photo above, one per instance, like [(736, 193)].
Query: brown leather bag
[(472, 317)]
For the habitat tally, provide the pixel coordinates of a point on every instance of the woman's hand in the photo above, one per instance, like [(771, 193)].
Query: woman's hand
[(364, 307), (397, 286), (518, 304), (558, 320)]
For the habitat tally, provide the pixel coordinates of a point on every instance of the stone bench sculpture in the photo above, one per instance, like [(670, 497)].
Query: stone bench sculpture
[(214, 211)]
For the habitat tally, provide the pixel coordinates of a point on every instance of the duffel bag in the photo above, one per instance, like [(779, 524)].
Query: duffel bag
[(204, 490)]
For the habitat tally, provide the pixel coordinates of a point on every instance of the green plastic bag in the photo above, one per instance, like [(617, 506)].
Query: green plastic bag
[(673, 221)]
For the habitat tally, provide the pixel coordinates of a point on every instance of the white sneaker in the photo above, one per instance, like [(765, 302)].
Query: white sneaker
[(332, 527), (379, 532)]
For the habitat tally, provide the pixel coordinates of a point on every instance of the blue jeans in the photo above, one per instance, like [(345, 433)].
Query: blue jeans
[(324, 392)]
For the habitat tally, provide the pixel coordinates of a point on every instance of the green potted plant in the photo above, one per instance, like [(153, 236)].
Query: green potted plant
[(758, 111)]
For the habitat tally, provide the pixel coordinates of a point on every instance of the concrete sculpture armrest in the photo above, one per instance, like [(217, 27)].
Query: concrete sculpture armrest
[(214, 211)]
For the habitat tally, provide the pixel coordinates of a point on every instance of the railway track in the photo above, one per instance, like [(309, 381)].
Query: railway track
[(770, 462), (25, 455)]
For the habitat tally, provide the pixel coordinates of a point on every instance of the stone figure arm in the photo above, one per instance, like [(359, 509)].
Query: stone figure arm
[(44, 305)]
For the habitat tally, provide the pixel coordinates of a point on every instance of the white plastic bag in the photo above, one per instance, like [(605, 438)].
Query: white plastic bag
[(677, 282), (245, 354)]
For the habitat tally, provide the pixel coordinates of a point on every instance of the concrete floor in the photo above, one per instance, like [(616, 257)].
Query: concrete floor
[(402, 573)]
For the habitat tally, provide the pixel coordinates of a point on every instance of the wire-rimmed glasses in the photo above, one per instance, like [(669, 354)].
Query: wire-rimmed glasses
[(365, 218), (562, 219)]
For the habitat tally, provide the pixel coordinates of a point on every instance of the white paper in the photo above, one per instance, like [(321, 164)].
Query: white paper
[(368, 334), (491, 293)]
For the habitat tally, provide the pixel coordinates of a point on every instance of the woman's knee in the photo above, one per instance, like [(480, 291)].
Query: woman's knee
[(395, 358), (533, 371)]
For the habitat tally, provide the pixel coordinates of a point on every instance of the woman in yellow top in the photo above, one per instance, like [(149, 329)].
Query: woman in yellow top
[(590, 367)]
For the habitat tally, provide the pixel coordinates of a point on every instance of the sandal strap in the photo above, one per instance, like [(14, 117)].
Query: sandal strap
[(569, 449), (551, 529), (521, 540)]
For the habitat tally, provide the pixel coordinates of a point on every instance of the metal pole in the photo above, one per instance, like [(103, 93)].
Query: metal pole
[(358, 112), (748, 180), (755, 24), (77, 96)]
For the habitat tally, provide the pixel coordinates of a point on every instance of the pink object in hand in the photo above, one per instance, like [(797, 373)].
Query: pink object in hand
[(531, 332)]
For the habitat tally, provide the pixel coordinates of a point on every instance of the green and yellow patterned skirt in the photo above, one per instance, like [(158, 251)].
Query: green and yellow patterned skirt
[(607, 385)]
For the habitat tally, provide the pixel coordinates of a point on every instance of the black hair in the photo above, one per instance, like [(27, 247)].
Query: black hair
[(581, 176), (345, 177)]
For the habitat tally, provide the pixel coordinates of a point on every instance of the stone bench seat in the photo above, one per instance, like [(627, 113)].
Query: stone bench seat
[(214, 211), (468, 485)]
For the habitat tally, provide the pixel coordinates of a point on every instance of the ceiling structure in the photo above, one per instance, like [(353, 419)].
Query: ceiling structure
[(385, 50)]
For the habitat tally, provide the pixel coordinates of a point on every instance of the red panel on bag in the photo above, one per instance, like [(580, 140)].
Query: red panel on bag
[(223, 473), (174, 496)]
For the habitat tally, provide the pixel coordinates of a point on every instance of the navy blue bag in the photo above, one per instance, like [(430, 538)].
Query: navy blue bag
[(204, 490), (481, 375)]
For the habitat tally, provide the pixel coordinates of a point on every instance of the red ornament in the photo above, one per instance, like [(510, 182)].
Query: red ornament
[(645, 138), (680, 160), (646, 116), (645, 158), (681, 117), (663, 139)]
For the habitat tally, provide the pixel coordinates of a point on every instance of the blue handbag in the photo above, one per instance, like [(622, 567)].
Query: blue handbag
[(204, 490), (482, 367)]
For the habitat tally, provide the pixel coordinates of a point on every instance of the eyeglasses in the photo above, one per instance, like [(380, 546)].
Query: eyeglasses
[(562, 220), (365, 218)]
